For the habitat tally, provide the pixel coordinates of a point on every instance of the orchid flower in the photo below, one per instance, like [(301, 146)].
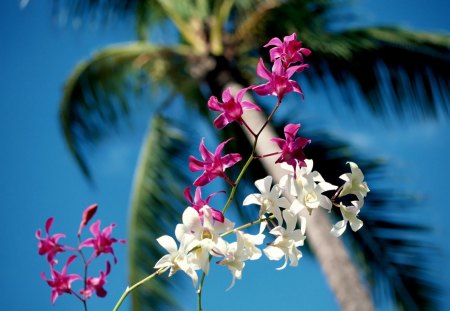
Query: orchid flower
[(205, 232), (102, 241), (292, 147), (307, 187), (213, 165), (49, 245), (61, 281), (269, 199), (278, 81), (289, 50), (232, 108), (349, 214), (287, 240), (354, 182), (97, 283), (178, 258)]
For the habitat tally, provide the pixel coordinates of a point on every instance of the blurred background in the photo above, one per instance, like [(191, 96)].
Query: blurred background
[(78, 91)]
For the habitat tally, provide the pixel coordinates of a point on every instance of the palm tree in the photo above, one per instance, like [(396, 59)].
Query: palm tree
[(391, 68)]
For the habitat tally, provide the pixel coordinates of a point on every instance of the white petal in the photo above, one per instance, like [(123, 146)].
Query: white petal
[(302, 224), (165, 261), (290, 219), (264, 184), (254, 198), (191, 219), (273, 253), (339, 228), (296, 207), (355, 223), (168, 243)]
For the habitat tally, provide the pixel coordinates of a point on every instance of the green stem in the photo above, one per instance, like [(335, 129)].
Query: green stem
[(130, 289), (249, 224), (199, 291)]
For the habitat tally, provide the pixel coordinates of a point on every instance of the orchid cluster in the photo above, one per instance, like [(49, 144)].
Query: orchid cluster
[(101, 242), (205, 232)]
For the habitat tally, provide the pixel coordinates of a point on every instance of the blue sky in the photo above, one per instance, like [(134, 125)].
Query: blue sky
[(40, 179)]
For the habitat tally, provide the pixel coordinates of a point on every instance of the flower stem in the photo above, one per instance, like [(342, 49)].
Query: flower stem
[(199, 291), (249, 224), (130, 289), (85, 272)]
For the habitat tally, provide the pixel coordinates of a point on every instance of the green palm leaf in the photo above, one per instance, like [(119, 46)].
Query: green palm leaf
[(98, 95), (156, 205)]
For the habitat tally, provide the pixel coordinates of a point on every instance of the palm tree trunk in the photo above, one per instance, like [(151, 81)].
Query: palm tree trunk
[(339, 270)]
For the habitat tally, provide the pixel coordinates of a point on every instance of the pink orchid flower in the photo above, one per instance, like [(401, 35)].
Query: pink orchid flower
[(290, 51), (292, 147), (61, 282), (197, 203), (102, 241), (232, 108), (49, 245), (213, 165), (97, 284), (278, 83)]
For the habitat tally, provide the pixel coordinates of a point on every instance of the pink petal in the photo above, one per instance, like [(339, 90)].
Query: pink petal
[(262, 71), (226, 95), (241, 93), (231, 159), (187, 194), (291, 129), (280, 142), (291, 37), (196, 165), (217, 215), (221, 121), (202, 180), (264, 89), (250, 106), (205, 153), (219, 148), (274, 41), (213, 104), (48, 224), (95, 228), (296, 87), (305, 51)]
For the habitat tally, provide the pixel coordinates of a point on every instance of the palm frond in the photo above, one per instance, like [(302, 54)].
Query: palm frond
[(392, 69), (156, 205), (98, 94)]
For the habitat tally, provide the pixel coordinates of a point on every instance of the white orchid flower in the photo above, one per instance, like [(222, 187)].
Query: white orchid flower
[(269, 199)]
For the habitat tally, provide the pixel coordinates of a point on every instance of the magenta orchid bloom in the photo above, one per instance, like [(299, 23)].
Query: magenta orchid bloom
[(102, 241), (49, 245), (61, 282), (231, 108), (278, 83), (96, 284), (292, 147), (290, 51), (197, 203), (213, 165)]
